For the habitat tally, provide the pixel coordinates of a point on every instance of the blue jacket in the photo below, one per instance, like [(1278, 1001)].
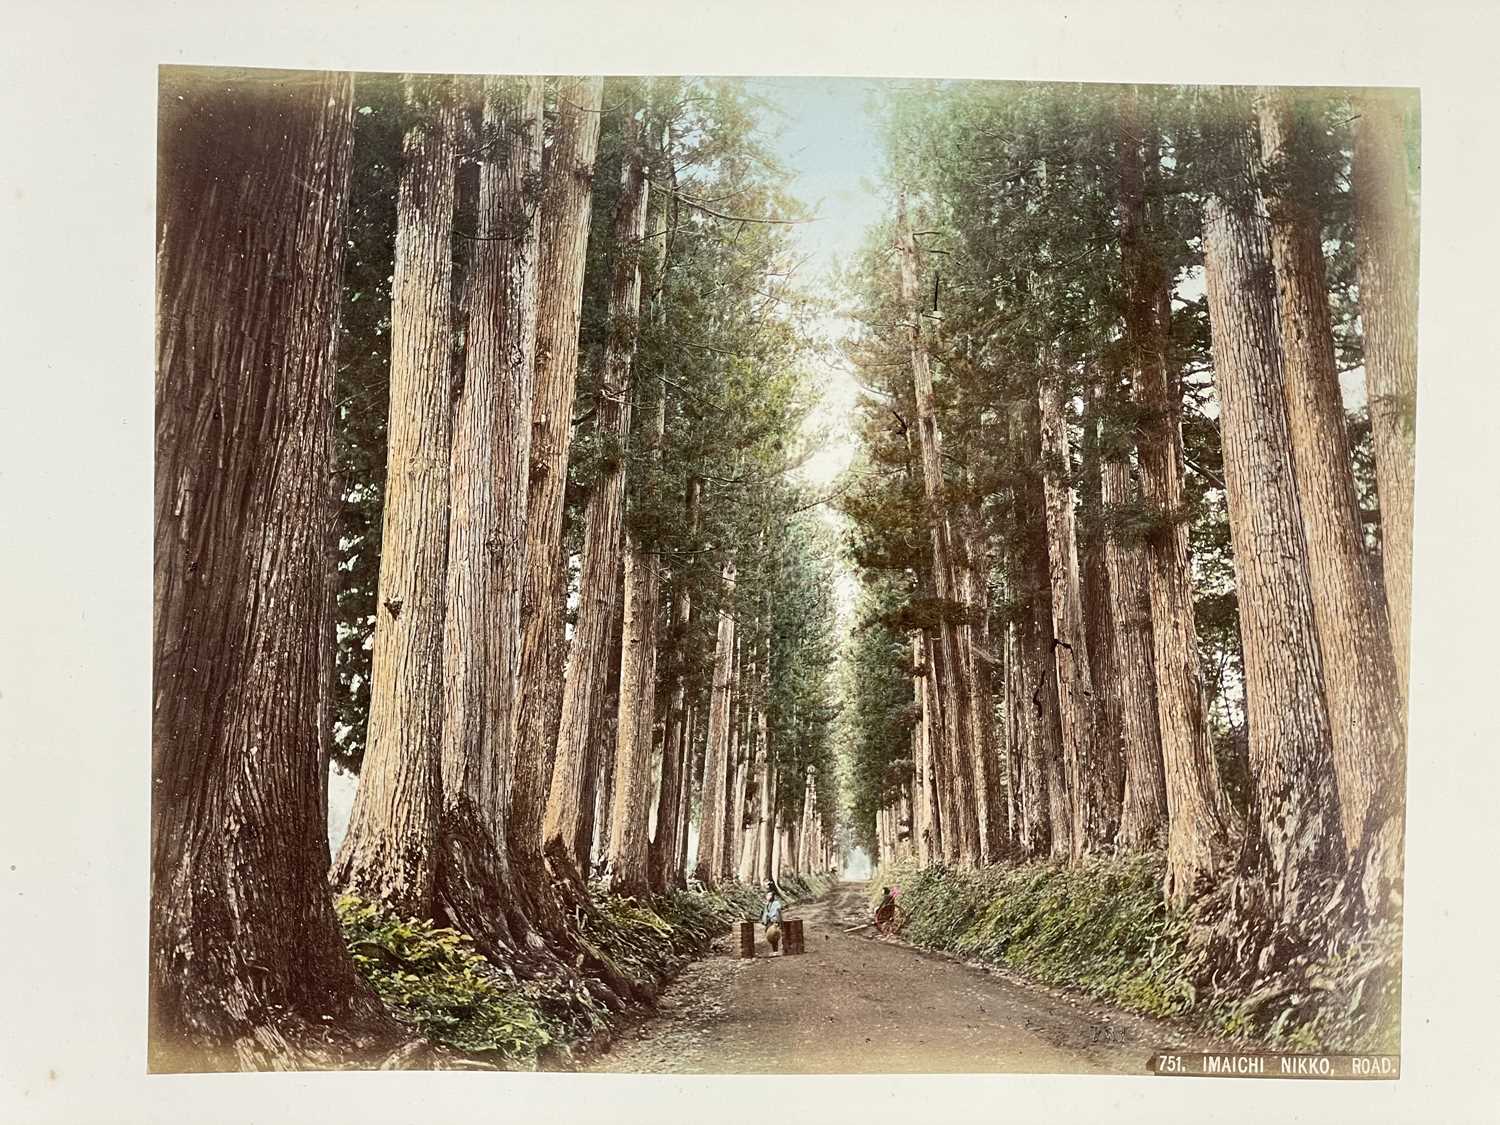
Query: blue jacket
[(772, 912)]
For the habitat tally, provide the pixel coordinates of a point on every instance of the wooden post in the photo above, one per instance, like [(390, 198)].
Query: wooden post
[(791, 935)]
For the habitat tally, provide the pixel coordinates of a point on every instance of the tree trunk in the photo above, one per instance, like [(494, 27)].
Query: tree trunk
[(1294, 836), (945, 840), (715, 762), (1053, 805), (587, 657), (389, 852), (1387, 245), (753, 812), (988, 769), (724, 841), (567, 202), (692, 766), (247, 962), (666, 869), (630, 838), (1198, 831), (1107, 781), (487, 510), (629, 825), (929, 840), (1143, 817), (1358, 665), (1034, 732), (953, 636), (1015, 742), (954, 774), (1075, 686), (764, 870), (599, 765)]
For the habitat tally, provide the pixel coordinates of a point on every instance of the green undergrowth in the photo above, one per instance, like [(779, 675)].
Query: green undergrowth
[(433, 980), (1103, 928), (646, 939), (1100, 927)]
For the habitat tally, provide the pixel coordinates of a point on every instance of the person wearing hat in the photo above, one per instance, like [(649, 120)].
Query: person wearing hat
[(770, 916)]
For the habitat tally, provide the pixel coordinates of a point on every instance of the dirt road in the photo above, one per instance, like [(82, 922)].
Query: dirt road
[(856, 1005)]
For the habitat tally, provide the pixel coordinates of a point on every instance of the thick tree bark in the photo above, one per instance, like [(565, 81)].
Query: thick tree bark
[(728, 830), (1070, 656), (487, 512), (567, 202), (953, 636), (930, 848), (715, 762), (1034, 733), (764, 871), (1359, 668), (1047, 779), (389, 851), (629, 823), (1386, 240), (936, 730), (1107, 781), (954, 774), (630, 838), (1016, 730), (671, 824), (753, 808), (587, 658), (988, 770), (1198, 831), (692, 769), (751, 812), (741, 834), (598, 770), (805, 833), (1143, 817), (1294, 840), (247, 962)]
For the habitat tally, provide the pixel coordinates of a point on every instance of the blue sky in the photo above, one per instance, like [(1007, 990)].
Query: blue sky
[(828, 140), (825, 135)]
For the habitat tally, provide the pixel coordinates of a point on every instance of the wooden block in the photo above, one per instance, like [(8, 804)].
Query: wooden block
[(793, 938), (747, 939)]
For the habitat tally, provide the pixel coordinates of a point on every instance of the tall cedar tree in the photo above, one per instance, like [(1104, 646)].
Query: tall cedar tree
[(247, 963), (388, 853), (1387, 243), (953, 636), (1359, 666), (588, 658), (1198, 831), (567, 203), (491, 445), (716, 753), (1070, 654), (1294, 839)]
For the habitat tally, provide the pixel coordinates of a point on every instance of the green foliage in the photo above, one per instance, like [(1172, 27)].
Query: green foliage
[(433, 980), (361, 399), (1103, 928), (646, 938), (880, 711)]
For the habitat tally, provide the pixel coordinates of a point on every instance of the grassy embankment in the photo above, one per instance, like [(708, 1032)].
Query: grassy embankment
[(1103, 929), (432, 979)]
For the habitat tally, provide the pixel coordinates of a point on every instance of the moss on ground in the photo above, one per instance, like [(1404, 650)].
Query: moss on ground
[(434, 981), (1103, 928)]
